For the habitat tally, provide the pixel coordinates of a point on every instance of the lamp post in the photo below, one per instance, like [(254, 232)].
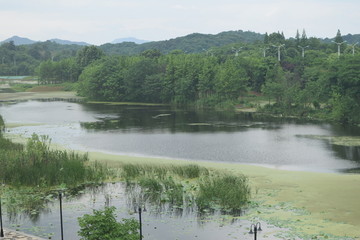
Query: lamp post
[(61, 217), (254, 228), (303, 50), (140, 210), (339, 44), (1, 223), (279, 47)]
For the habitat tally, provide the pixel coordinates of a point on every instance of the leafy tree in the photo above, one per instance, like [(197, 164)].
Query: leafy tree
[(338, 37), (102, 225), (232, 80), (88, 54), (151, 53), (297, 37)]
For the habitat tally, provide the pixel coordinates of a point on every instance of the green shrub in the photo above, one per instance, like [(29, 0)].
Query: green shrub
[(102, 225), (225, 191)]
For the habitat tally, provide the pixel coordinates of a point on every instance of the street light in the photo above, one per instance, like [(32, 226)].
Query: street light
[(254, 228), (140, 210), (140, 223), (339, 44), (278, 47), (61, 217), (303, 50), (1, 223)]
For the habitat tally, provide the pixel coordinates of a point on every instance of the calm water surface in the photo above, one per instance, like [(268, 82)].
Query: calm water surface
[(186, 134)]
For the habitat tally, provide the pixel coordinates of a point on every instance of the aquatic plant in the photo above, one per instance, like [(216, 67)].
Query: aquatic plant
[(132, 171), (38, 165), (102, 224), (225, 191), (181, 184)]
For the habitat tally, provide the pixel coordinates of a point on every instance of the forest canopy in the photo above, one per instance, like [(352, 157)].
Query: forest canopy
[(300, 76)]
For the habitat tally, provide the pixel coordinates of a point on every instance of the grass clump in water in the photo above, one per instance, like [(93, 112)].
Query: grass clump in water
[(37, 165), (181, 184), (132, 171), (226, 191)]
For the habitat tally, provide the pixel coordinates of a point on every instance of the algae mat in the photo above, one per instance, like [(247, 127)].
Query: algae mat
[(311, 205)]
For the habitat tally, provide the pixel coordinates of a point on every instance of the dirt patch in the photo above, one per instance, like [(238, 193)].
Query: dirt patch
[(22, 96), (46, 89)]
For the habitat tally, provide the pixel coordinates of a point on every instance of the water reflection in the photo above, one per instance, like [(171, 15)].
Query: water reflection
[(162, 131), (161, 218)]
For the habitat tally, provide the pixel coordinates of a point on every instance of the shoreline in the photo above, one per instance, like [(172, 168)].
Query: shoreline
[(24, 96), (307, 203)]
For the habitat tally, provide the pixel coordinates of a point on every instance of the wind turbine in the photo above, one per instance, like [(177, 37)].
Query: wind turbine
[(279, 47), (339, 44)]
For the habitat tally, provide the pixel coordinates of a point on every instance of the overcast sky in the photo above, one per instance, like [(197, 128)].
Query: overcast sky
[(101, 21)]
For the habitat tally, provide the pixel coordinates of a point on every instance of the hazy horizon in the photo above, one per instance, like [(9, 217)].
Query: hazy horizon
[(97, 22)]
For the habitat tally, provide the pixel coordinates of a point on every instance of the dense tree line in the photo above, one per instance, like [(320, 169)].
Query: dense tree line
[(23, 60), (310, 79)]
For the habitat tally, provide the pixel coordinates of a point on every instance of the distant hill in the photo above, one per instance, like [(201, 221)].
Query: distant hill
[(67, 42), (192, 43), (349, 38), (129, 39), (19, 40), (26, 41)]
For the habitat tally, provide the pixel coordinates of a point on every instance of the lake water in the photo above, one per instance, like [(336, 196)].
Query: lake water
[(161, 131), (186, 134)]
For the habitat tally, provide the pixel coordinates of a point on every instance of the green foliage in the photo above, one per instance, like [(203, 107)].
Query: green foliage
[(132, 171), (2, 125), (21, 87), (65, 70), (88, 55), (192, 43), (38, 165), (228, 191), (180, 72), (102, 225), (189, 184)]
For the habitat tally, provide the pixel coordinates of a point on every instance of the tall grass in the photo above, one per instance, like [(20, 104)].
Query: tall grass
[(181, 184), (132, 171), (38, 165), (227, 191)]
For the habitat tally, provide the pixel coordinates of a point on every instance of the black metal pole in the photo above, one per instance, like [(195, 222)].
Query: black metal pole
[(61, 217), (140, 223), (1, 223), (255, 232)]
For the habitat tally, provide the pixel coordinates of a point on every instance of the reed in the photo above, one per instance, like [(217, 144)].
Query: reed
[(37, 165), (226, 191), (180, 184)]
